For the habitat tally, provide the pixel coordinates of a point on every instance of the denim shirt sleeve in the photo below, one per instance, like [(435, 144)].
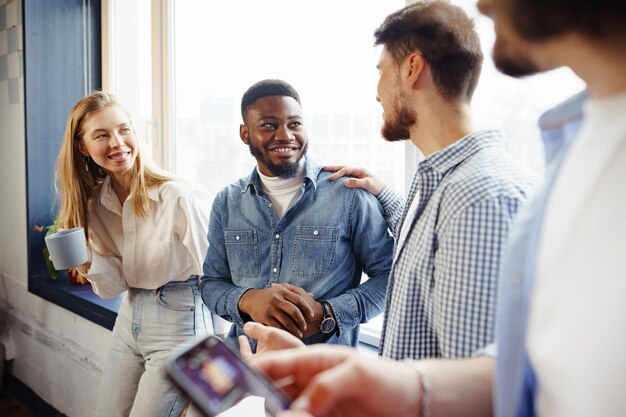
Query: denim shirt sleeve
[(218, 292), (373, 247), (393, 204)]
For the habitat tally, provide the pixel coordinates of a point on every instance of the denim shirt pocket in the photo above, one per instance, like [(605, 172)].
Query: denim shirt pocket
[(313, 251), (242, 250)]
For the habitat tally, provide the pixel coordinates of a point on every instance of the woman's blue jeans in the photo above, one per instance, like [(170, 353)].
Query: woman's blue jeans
[(149, 325)]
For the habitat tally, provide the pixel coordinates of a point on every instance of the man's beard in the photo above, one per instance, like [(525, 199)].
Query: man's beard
[(284, 170), (397, 128), (516, 66)]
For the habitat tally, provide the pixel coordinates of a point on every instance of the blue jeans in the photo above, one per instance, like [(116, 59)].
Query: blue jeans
[(149, 325)]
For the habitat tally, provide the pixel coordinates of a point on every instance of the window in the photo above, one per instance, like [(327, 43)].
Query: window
[(182, 66), (221, 48), (128, 62), (52, 85)]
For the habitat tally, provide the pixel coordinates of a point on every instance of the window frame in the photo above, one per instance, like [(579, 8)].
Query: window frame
[(52, 34)]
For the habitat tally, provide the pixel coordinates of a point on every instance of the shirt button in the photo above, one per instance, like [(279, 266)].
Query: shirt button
[(275, 270), (277, 236), (315, 233), (236, 237), (270, 205)]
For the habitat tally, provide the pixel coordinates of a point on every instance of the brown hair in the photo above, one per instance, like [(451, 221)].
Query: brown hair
[(77, 176), (538, 20), (445, 36)]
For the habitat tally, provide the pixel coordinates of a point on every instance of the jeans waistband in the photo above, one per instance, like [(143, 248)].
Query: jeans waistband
[(194, 279)]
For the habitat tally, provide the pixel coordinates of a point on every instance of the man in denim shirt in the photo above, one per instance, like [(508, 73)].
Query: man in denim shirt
[(287, 247)]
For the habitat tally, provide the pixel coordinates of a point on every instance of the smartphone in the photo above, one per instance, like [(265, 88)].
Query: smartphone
[(216, 378)]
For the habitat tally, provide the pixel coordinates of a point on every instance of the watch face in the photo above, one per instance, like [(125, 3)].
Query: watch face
[(328, 325)]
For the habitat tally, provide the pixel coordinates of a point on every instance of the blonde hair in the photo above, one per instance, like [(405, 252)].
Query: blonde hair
[(78, 176)]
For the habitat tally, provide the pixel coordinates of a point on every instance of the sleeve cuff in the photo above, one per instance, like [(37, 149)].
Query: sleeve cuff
[(490, 350), (105, 277), (232, 305), (346, 312), (388, 195)]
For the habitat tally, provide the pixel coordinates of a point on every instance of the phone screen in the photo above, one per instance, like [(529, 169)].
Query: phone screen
[(215, 378)]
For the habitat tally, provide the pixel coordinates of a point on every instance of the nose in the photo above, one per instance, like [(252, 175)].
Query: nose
[(284, 133), (116, 141), (484, 7)]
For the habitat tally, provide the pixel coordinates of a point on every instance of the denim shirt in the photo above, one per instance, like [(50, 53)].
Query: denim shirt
[(326, 238), (516, 388)]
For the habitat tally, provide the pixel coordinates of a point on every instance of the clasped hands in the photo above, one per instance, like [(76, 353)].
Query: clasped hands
[(283, 306)]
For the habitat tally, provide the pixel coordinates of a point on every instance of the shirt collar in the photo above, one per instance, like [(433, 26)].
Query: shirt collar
[(109, 199), (449, 157), (311, 171), (558, 116)]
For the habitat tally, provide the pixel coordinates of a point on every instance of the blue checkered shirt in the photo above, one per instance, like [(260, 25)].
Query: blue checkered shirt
[(442, 289)]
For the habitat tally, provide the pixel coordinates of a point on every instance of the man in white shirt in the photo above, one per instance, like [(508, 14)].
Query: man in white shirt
[(561, 316)]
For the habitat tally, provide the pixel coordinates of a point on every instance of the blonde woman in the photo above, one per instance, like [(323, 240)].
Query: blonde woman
[(146, 234)]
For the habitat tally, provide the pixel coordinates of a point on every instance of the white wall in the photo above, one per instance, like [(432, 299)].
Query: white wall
[(58, 354)]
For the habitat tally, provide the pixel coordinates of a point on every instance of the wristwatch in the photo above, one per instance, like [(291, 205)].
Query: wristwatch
[(328, 323)]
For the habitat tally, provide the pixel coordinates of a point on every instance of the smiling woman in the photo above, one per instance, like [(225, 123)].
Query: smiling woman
[(109, 142), (145, 233)]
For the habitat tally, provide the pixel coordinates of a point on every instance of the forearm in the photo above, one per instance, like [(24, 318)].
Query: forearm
[(393, 206), (459, 387), (222, 297), (360, 304)]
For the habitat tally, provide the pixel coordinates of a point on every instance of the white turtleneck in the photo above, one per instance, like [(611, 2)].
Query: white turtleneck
[(280, 190)]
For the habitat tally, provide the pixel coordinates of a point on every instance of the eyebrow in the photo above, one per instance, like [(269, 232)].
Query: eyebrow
[(262, 117), (101, 129)]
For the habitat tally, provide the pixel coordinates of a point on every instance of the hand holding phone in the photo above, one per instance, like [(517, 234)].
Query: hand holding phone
[(215, 378)]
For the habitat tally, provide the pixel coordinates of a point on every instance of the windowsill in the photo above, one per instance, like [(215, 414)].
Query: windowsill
[(367, 348), (79, 299)]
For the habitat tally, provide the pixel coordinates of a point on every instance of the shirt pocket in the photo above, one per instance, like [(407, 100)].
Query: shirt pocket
[(242, 250), (314, 250)]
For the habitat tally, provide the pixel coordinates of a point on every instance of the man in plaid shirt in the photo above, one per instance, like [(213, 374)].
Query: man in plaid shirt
[(452, 232), (453, 229)]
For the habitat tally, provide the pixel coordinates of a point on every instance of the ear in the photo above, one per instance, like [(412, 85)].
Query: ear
[(82, 149), (415, 65), (243, 134)]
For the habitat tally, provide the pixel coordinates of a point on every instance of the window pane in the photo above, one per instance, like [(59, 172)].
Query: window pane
[(514, 105), (323, 48), (130, 60)]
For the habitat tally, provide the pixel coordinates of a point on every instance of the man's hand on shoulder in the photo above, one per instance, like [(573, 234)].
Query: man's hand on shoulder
[(279, 307), (363, 178)]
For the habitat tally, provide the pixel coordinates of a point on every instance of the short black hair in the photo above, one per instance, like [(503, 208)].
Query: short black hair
[(265, 88)]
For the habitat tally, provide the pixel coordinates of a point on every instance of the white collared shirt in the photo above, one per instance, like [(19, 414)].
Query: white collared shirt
[(577, 323), (169, 244)]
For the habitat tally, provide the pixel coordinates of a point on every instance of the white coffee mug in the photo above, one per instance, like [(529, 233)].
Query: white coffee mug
[(67, 248)]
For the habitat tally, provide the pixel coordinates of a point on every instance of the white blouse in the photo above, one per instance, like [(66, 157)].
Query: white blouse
[(169, 244)]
